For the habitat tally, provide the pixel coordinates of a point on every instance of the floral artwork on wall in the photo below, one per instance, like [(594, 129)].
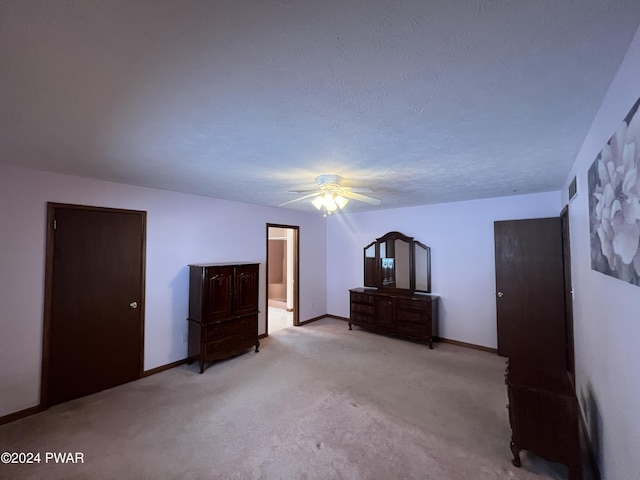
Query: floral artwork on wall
[(614, 203)]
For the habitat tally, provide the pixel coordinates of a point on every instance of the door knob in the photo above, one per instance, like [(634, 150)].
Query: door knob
[(500, 294), (133, 305)]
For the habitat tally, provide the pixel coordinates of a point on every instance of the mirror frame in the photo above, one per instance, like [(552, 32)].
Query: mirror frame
[(374, 278)]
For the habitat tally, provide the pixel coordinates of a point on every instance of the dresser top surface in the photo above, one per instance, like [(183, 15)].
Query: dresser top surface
[(223, 264), (556, 381), (394, 293)]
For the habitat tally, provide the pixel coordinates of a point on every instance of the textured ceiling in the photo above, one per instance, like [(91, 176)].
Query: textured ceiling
[(421, 101)]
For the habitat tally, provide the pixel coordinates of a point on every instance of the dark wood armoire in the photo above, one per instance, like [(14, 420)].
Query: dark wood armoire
[(223, 311)]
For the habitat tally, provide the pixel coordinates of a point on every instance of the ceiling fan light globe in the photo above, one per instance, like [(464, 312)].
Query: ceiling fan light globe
[(340, 201), (318, 202), (330, 203)]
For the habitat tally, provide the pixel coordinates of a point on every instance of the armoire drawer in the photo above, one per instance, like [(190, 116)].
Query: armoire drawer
[(241, 326), (225, 347)]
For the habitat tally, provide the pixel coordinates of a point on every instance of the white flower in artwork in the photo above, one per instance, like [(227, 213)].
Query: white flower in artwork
[(617, 210)]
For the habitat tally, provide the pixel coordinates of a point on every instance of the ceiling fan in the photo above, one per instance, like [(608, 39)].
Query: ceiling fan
[(330, 195)]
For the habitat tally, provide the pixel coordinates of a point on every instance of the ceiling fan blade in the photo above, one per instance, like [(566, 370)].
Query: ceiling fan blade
[(359, 189), (303, 191), (361, 198), (304, 197)]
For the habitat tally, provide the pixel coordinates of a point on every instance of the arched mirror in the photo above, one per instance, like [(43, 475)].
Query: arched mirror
[(395, 261), (422, 262), (370, 265)]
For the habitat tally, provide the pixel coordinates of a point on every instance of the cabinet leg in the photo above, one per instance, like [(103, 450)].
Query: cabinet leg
[(189, 360), (516, 455), (257, 345), (201, 367), (350, 326), (431, 343)]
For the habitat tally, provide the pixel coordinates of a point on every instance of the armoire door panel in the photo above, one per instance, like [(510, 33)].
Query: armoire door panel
[(219, 290), (246, 289)]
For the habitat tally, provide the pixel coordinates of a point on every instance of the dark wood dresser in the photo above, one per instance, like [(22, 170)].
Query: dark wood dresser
[(223, 311), (395, 312), (543, 412)]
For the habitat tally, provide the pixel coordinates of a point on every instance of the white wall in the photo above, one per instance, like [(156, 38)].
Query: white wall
[(181, 229), (462, 255), (607, 310)]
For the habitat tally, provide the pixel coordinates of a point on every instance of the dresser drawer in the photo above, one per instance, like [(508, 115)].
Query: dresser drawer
[(357, 297), (414, 329), (418, 313), (362, 318), (360, 308), (413, 306), (418, 318)]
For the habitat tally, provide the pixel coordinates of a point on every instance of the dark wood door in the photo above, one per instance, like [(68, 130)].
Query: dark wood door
[(246, 294), (218, 293), (530, 292), (95, 327)]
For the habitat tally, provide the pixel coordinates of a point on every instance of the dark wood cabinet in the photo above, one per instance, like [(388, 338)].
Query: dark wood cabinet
[(398, 313), (543, 412), (223, 311)]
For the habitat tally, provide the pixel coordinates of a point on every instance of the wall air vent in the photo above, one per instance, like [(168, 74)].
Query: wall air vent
[(573, 188)]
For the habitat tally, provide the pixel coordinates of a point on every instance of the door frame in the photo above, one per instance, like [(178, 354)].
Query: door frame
[(48, 288), (296, 275), (568, 289)]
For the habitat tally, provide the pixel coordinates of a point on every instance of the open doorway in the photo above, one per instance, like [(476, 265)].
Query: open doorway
[(282, 277)]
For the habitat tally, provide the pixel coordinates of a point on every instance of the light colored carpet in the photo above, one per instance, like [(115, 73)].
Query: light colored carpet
[(279, 318), (317, 402)]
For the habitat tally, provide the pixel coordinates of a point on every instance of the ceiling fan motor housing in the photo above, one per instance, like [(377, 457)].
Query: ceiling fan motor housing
[(329, 181)]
